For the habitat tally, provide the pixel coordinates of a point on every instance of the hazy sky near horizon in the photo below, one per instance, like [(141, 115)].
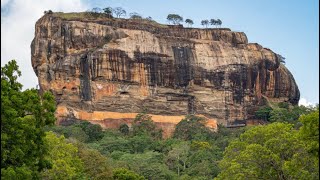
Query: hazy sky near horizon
[(288, 27)]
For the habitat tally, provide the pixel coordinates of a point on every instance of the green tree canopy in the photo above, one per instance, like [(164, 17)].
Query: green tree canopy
[(192, 128), (94, 131), (65, 161), (309, 132), (274, 151), (213, 22), (95, 164), (175, 19), (108, 11), (178, 156), (124, 129), (23, 116), (263, 113), (219, 22), (189, 22), (125, 174), (143, 124), (205, 23)]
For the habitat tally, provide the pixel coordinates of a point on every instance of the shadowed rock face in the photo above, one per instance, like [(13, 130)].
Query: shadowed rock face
[(107, 70)]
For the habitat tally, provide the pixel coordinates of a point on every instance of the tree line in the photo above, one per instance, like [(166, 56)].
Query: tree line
[(175, 19), (119, 12)]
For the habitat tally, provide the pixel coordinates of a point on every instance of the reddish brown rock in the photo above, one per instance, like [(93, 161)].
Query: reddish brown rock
[(107, 70)]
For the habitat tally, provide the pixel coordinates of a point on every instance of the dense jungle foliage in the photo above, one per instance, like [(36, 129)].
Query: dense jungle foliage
[(32, 147)]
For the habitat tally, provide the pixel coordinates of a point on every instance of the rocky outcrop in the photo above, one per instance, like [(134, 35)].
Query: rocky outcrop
[(108, 70)]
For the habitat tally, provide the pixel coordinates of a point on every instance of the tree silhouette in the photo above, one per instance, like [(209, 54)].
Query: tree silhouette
[(174, 18), (205, 23), (213, 22), (119, 11), (219, 22), (108, 11), (189, 22)]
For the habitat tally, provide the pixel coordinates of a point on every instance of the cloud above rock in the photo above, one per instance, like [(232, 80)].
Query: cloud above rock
[(17, 30)]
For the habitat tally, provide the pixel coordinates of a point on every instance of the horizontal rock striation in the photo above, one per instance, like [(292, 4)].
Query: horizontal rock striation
[(107, 70)]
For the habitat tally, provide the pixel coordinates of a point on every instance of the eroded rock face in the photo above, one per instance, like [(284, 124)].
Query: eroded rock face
[(107, 70)]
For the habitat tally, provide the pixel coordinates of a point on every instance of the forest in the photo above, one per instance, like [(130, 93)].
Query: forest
[(33, 147)]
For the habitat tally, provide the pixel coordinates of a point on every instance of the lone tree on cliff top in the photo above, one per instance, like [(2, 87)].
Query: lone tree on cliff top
[(189, 22), (108, 11), (119, 11), (205, 23), (174, 18)]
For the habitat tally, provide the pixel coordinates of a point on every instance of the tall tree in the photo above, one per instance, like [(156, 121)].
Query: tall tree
[(219, 22), (178, 156), (189, 22), (23, 116), (119, 11), (108, 11), (205, 23), (213, 22), (174, 18)]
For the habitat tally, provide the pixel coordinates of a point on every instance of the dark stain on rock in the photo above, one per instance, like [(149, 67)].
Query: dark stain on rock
[(183, 58), (85, 88)]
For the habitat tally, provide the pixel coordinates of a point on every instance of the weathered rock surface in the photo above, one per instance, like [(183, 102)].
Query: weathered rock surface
[(108, 70)]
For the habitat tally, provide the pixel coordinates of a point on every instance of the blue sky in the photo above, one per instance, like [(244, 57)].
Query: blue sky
[(288, 27)]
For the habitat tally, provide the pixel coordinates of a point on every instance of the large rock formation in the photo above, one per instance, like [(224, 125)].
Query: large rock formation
[(108, 70)]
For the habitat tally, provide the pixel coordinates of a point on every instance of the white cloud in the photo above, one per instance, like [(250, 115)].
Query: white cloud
[(305, 102), (17, 31), (4, 2)]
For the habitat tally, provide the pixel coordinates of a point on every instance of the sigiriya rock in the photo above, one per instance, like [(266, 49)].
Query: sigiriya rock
[(106, 70)]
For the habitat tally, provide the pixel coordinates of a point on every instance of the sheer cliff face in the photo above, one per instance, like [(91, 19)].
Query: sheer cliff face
[(107, 70)]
